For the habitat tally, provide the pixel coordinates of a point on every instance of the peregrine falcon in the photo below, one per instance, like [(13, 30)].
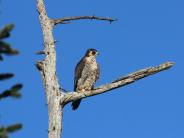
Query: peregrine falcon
[(86, 74)]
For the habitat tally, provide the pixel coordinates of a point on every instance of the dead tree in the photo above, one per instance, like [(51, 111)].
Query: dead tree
[(56, 97)]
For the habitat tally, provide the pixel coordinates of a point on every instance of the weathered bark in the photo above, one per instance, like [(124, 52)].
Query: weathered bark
[(122, 81), (56, 97), (47, 67)]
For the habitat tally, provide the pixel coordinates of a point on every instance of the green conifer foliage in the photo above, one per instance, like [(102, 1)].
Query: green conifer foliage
[(14, 91)]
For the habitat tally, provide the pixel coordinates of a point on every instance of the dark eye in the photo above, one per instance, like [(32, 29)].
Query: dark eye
[(93, 52)]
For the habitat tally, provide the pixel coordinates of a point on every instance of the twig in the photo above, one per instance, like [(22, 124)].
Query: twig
[(40, 52), (66, 20)]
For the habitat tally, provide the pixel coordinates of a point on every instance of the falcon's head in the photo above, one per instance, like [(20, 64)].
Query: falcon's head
[(91, 52)]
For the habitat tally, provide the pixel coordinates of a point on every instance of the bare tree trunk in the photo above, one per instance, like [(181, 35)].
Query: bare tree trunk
[(56, 97), (47, 68), (55, 119)]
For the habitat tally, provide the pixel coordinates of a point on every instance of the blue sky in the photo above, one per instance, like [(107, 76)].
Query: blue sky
[(147, 33)]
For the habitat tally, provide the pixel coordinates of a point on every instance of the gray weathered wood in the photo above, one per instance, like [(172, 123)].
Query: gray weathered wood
[(47, 67), (122, 81), (56, 97)]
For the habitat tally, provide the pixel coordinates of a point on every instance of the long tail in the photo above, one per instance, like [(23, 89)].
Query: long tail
[(76, 104)]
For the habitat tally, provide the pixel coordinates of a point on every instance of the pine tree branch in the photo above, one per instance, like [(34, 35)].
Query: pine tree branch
[(5, 31), (12, 128), (66, 20), (5, 48), (6, 76), (72, 96), (13, 92)]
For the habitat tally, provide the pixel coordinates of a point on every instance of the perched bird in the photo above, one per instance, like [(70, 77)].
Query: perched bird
[(86, 74)]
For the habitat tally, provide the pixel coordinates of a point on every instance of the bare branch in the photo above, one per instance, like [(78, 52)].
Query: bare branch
[(55, 94), (72, 96), (40, 52), (66, 20)]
